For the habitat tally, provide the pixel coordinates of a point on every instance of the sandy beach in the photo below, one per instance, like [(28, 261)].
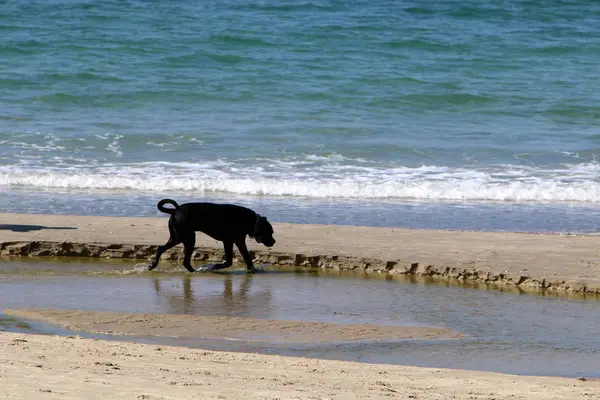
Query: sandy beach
[(40, 367), (50, 367)]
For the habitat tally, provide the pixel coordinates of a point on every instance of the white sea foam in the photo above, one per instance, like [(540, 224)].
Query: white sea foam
[(575, 183)]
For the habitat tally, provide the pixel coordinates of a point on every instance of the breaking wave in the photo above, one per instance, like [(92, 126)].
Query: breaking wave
[(572, 183)]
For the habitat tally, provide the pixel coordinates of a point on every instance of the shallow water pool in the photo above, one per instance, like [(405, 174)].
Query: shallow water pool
[(505, 332)]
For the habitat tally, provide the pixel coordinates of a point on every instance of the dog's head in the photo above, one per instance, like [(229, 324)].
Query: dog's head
[(263, 231)]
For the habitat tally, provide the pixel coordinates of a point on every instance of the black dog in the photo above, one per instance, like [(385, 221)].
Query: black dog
[(224, 222)]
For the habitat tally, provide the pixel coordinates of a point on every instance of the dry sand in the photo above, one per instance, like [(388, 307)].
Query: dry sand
[(169, 325), (36, 367)]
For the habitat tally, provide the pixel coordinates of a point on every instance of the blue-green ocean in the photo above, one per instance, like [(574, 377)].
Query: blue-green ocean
[(470, 114)]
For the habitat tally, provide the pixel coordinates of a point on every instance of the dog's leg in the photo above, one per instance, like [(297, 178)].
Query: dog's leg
[(161, 249), (241, 245), (188, 243), (228, 247)]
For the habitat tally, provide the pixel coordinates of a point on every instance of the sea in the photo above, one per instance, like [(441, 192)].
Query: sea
[(461, 115)]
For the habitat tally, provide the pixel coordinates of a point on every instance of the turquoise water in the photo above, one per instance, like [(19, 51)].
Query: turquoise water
[(478, 111)]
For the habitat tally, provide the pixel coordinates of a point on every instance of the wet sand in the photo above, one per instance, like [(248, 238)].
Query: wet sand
[(36, 367), (569, 263), (169, 325)]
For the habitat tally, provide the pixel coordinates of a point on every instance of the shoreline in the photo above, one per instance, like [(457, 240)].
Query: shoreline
[(529, 263)]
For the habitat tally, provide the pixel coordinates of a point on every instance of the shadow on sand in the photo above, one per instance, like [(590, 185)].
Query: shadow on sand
[(29, 228)]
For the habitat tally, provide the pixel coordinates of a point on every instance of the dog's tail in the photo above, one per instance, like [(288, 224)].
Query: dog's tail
[(161, 207)]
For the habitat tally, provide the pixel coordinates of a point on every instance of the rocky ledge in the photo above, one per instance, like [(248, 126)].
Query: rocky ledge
[(452, 274)]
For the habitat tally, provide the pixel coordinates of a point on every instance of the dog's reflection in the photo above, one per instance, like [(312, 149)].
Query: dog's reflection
[(237, 298)]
